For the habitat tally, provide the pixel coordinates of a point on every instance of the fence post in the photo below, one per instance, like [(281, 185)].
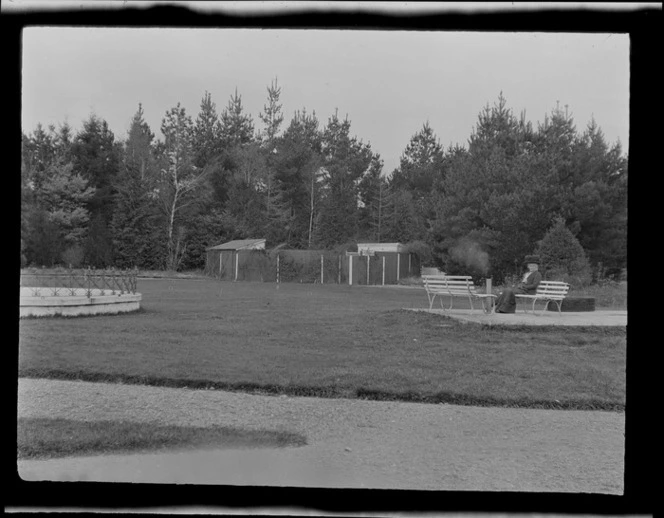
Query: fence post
[(237, 263), (220, 254), (277, 270), (398, 265), (350, 270), (321, 268), (339, 273), (409, 272), (368, 261), (383, 270)]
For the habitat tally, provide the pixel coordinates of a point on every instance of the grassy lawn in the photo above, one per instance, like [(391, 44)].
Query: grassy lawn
[(39, 438), (336, 341)]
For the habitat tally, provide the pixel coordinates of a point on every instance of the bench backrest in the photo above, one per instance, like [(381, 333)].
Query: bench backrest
[(553, 289), (451, 284)]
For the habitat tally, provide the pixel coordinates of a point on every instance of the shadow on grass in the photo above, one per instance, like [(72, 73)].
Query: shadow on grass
[(40, 438), (328, 392)]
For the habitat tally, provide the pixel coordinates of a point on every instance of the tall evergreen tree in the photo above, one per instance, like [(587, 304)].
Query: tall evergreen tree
[(137, 227), (95, 156), (207, 133), (421, 163), (297, 161), (276, 214), (487, 193), (597, 208), (374, 197), (237, 127), (345, 160), (271, 116), (138, 152)]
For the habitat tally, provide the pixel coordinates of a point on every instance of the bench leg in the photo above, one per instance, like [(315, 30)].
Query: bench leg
[(492, 307), (559, 303)]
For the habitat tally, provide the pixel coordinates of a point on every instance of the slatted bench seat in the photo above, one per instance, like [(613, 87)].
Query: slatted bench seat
[(549, 291), (455, 286)]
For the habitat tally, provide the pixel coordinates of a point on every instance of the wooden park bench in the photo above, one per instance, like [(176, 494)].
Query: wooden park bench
[(455, 286), (549, 291)]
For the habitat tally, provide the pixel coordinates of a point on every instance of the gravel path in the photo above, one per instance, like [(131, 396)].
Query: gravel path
[(351, 443)]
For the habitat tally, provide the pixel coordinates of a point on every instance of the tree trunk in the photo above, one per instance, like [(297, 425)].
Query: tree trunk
[(311, 209)]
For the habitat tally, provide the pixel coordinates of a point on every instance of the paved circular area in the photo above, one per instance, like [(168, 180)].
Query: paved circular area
[(351, 443), (548, 318)]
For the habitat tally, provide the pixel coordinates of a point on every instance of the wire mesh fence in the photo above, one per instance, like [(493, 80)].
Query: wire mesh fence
[(310, 266), (78, 282)]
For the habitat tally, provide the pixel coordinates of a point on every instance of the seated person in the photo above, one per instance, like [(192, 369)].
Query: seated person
[(506, 301)]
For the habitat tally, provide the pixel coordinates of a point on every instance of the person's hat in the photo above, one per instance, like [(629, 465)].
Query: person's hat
[(531, 259)]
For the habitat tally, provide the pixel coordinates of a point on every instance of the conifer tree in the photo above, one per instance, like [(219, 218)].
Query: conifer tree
[(562, 255), (272, 115), (207, 133), (421, 163), (345, 160), (237, 128)]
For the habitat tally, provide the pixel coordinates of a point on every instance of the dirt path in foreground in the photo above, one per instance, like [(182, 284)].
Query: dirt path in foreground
[(351, 443)]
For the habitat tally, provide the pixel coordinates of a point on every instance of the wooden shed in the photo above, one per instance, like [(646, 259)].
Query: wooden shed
[(223, 260)]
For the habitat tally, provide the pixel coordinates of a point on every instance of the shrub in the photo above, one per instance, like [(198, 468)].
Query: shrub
[(73, 256), (563, 257)]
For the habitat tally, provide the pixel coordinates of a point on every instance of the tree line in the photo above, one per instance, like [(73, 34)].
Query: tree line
[(157, 203)]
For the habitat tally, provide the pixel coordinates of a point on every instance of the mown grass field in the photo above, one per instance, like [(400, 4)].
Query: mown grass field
[(333, 341)]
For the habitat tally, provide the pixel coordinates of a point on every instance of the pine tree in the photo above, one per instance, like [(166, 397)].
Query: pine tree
[(373, 197), (562, 255), (297, 160), (421, 163), (272, 115), (138, 146), (207, 133), (237, 128), (137, 227), (96, 157), (345, 160)]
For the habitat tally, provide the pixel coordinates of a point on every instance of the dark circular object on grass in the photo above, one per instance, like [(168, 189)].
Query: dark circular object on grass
[(574, 304)]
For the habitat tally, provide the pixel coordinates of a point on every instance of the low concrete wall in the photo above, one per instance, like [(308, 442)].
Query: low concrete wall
[(41, 302)]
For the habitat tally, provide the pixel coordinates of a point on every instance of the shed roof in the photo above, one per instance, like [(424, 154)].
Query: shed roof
[(240, 244), (382, 247)]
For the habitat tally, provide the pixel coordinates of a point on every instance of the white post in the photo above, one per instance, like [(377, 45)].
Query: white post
[(398, 265), (368, 261), (350, 270), (321, 269), (237, 263), (383, 270)]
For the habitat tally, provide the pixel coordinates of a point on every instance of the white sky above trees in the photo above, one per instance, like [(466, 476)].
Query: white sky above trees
[(388, 82)]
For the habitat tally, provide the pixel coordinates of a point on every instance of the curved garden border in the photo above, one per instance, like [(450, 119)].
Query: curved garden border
[(78, 292), (98, 303)]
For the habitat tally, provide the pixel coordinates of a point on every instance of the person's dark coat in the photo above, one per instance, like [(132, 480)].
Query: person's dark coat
[(506, 301)]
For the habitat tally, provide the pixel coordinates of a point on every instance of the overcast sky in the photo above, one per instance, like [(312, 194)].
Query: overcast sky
[(389, 83)]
